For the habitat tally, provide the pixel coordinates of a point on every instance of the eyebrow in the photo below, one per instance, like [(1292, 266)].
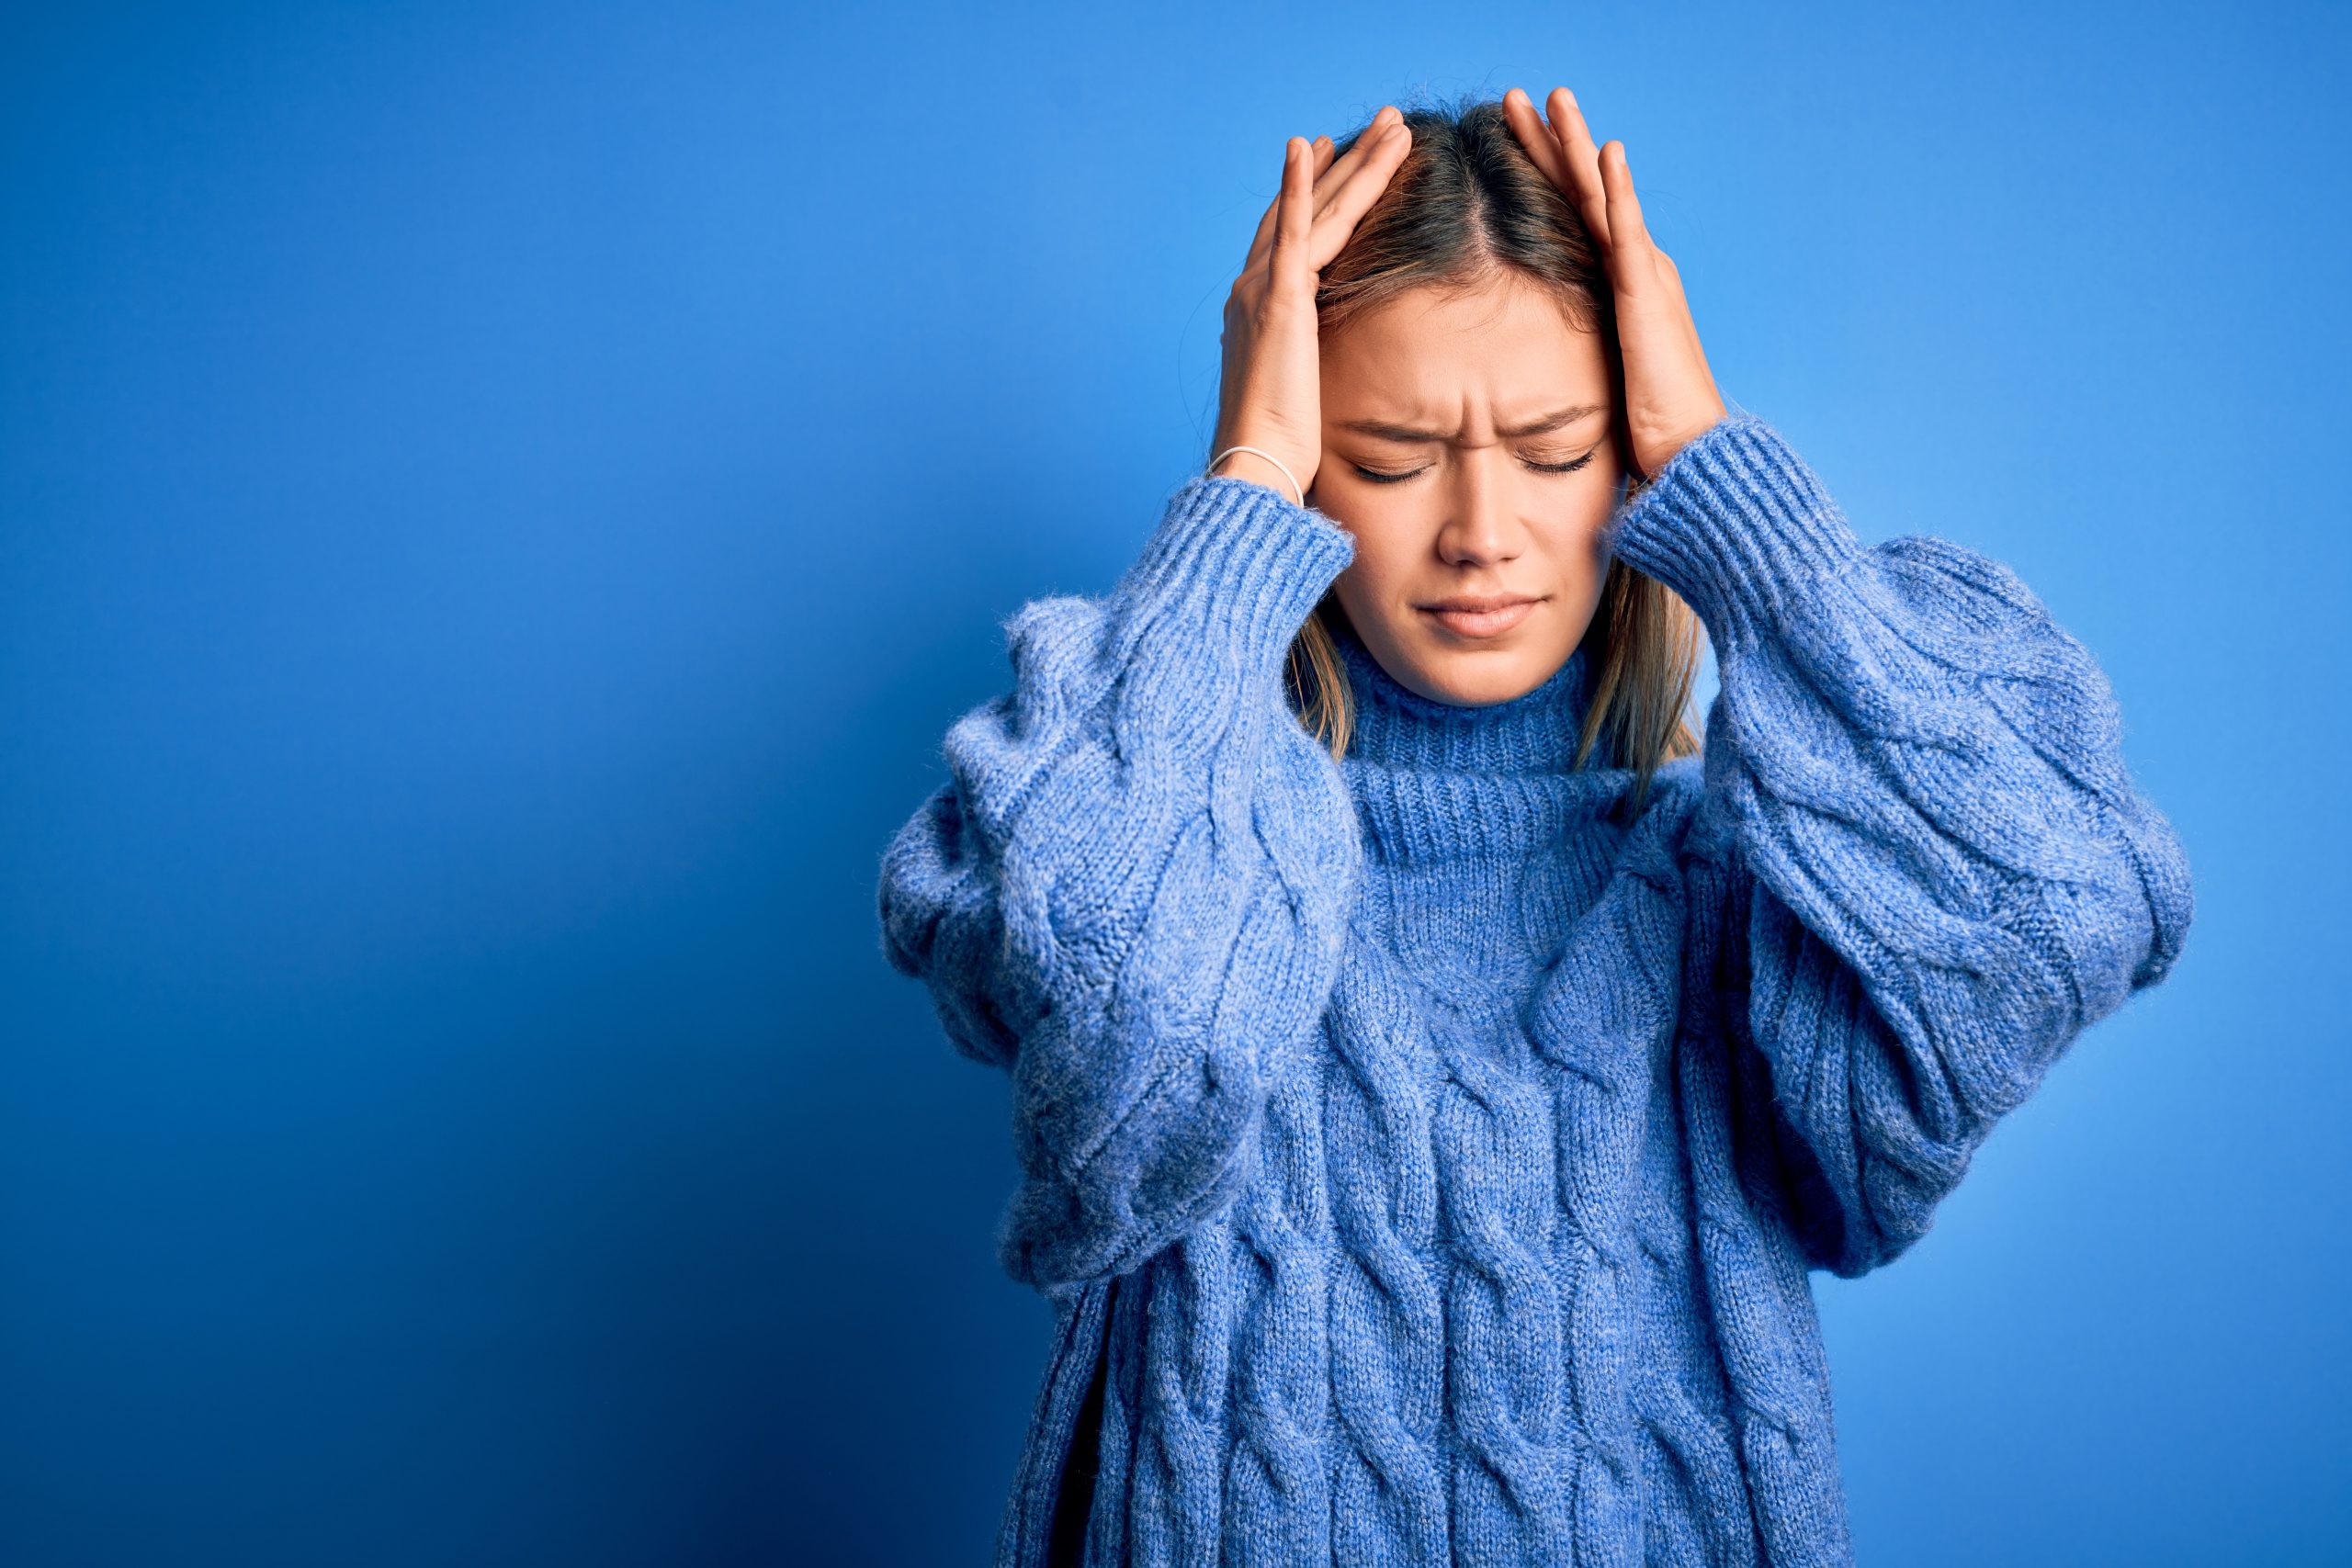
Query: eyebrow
[(1549, 422)]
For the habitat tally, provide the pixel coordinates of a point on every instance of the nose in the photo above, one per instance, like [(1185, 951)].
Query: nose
[(1481, 527)]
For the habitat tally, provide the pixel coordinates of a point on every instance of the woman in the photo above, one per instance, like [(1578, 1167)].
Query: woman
[(1434, 1071)]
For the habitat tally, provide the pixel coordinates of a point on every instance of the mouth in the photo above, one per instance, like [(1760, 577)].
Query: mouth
[(1481, 615)]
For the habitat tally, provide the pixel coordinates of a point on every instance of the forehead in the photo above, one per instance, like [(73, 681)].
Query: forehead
[(1504, 351)]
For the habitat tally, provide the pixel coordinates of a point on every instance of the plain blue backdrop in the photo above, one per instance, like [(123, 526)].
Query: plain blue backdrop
[(500, 504)]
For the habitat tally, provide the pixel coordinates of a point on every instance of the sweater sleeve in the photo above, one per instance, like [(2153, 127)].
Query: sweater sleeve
[(1927, 865), (1131, 891)]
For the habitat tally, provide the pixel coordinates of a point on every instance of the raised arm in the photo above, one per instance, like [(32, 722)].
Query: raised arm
[(1131, 891), (1917, 840), (1133, 888)]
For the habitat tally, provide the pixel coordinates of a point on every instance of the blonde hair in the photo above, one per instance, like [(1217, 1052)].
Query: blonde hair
[(1467, 205)]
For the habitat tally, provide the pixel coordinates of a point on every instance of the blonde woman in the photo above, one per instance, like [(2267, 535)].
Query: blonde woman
[(1435, 1070)]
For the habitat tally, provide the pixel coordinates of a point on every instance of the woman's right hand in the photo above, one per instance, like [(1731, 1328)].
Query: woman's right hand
[(1271, 391)]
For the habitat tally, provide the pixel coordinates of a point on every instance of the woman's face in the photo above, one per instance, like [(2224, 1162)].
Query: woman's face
[(1497, 417)]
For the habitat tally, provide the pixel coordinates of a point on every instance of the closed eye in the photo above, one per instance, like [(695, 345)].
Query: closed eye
[(1378, 477)]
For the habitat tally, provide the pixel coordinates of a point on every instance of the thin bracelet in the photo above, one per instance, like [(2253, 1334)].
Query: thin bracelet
[(1261, 452)]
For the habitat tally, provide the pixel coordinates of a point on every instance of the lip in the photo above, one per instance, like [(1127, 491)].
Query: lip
[(1480, 615)]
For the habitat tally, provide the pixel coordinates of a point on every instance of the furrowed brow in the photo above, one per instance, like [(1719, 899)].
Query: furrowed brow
[(1558, 419)]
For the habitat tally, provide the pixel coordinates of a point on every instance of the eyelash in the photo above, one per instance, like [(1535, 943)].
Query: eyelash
[(1567, 467)]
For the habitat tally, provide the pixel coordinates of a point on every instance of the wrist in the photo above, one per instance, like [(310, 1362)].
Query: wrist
[(1256, 470), (1655, 452)]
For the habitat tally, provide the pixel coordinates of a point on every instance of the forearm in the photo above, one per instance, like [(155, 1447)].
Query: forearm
[(1141, 865), (1920, 775)]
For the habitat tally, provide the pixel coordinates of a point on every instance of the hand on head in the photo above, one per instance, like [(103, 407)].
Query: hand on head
[(1271, 393), (1670, 396)]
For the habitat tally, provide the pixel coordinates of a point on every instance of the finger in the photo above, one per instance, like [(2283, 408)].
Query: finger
[(1355, 195), (1327, 152), (1518, 110), (1331, 180), (1262, 239), (1668, 275), (1682, 306), (1289, 274), (1671, 277), (1574, 138), (1628, 236)]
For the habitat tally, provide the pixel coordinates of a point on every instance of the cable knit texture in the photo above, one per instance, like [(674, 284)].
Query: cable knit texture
[(1424, 1155)]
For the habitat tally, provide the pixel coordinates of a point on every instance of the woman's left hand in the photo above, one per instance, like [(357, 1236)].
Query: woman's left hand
[(1670, 397)]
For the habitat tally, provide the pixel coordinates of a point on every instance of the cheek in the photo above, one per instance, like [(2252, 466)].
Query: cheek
[(1394, 547), (1391, 520), (1583, 511)]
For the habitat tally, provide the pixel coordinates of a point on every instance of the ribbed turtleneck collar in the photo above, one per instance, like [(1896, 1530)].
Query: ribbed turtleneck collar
[(1396, 727), (1438, 781)]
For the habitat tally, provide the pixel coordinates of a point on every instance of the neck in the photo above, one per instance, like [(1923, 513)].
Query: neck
[(1396, 727), (1436, 780)]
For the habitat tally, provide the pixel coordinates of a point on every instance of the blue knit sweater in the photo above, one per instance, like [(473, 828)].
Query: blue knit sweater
[(1426, 1164)]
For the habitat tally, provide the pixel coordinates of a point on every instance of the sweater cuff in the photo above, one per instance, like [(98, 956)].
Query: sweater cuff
[(1737, 525), (1235, 565)]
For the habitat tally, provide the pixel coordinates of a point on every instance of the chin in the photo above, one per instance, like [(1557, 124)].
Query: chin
[(1480, 677)]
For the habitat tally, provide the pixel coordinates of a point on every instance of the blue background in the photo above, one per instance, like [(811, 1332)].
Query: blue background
[(499, 504)]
